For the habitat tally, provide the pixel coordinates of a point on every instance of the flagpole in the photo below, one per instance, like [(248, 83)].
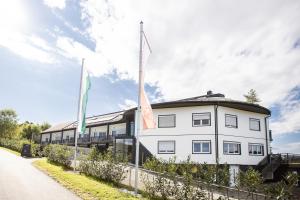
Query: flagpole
[(78, 115), (138, 118)]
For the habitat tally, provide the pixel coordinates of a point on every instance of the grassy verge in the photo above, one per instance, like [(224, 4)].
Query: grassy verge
[(11, 151), (85, 187)]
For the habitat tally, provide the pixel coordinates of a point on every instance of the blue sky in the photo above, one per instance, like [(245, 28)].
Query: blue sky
[(197, 46)]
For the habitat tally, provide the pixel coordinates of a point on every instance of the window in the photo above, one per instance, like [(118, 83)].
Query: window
[(256, 149), (201, 146), (233, 148), (254, 124), (166, 121), (201, 119), (166, 147), (231, 121)]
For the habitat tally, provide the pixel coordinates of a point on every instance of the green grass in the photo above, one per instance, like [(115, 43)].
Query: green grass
[(84, 186), (11, 151)]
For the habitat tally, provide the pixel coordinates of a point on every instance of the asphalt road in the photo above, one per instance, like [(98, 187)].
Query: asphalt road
[(19, 180)]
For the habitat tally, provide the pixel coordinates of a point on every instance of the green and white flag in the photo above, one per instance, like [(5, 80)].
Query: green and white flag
[(83, 99)]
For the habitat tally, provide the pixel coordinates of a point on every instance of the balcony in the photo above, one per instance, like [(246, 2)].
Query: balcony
[(68, 141), (55, 141), (84, 140), (102, 139)]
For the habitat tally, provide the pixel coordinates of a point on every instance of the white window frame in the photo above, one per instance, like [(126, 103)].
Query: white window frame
[(251, 147), (256, 120), (229, 125), (201, 123), (161, 116), (159, 151), (228, 147), (201, 146)]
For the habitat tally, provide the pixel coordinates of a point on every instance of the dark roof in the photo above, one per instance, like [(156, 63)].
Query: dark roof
[(90, 121), (208, 99), (212, 99)]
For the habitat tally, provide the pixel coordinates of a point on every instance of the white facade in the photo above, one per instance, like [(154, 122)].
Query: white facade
[(159, 141)]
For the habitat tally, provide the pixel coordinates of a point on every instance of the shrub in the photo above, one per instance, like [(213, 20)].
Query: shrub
[(167, 184), (284, 189), (60, 154), (17, 144), (103, 166)]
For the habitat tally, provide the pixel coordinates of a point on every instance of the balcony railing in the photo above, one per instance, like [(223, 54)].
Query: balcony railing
[(83, 140), (101, 139), (68, 141), (56, 141)]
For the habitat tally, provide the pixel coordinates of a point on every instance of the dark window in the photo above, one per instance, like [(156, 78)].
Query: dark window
[(254, 124), (231, 121), (201, 119), (166, 121)]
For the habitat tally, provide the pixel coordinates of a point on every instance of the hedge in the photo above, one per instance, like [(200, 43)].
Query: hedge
[(17, 144), (60, 154)]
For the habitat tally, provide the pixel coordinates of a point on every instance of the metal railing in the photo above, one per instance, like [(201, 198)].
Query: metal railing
[(102, 139)]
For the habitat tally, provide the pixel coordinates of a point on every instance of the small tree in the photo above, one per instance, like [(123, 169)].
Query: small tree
[(252, 97), (283, 190), (45, 126), (8, 123), (30, 130), (250, 180)]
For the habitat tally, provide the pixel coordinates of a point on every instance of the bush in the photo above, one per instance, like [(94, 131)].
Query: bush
[(17, 144), (60, 154), (103, 166), (173, 181)]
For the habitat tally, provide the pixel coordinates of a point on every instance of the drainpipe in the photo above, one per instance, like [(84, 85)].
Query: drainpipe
[(267, 140), (216, 133)]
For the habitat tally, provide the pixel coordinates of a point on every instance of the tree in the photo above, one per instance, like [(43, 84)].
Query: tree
[(8, 123), (30, 130), (45, 126), (252, 97)]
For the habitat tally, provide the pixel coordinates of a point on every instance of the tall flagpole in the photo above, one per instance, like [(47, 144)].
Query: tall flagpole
[(138, 118), (78, 115)]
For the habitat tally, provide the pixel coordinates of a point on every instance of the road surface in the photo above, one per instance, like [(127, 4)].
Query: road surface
[(19, 180)]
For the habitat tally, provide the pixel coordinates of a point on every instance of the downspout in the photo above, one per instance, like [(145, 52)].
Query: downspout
[(216, 134), (267, 140)]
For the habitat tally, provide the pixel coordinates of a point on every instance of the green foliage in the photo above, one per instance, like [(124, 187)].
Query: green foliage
[(87, 188), (60, 154), (174, 181), (45, 126), (30, 130), (8, 123), (103, 166), (17, 144), (252, 97), (283, 190), (251, 180)]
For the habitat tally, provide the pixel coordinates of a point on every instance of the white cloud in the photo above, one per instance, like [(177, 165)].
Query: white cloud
[(293, 147), (127, 104), (94, 61), (29, 47), (60, 4), (289, 117), (202, 45)]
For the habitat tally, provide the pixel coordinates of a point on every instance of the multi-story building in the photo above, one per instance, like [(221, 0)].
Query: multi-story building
[(208, 128)]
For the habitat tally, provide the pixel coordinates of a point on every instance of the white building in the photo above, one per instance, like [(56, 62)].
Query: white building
[(208, 128)]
